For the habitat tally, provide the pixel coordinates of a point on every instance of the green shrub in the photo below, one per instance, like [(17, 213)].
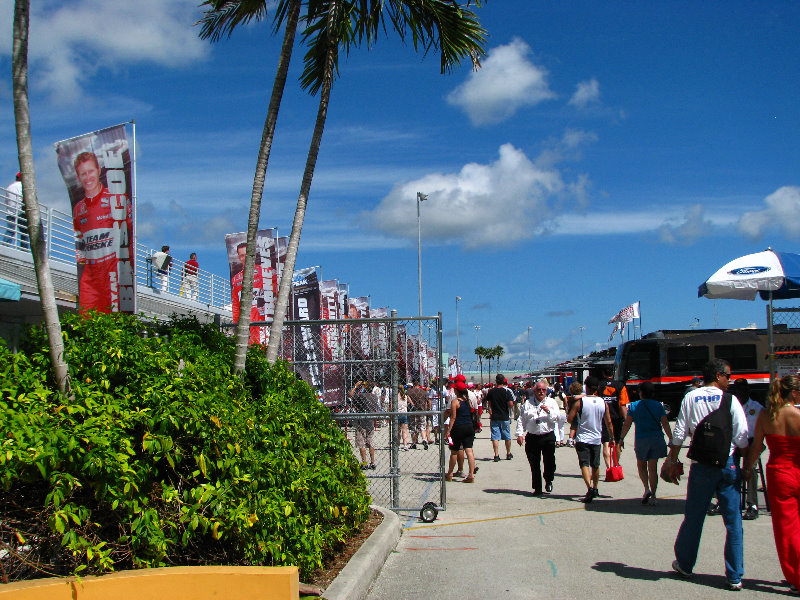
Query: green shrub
[(165, 457)]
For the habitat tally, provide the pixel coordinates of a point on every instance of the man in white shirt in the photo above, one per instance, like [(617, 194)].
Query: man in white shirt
[(706, 480), (536, 425), (591, 411)]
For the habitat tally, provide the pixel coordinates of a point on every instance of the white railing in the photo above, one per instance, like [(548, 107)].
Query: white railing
[(213, 290)]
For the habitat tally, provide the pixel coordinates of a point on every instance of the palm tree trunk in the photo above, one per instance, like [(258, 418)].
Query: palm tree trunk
[(285, 286), (243, 325), (22, 119)]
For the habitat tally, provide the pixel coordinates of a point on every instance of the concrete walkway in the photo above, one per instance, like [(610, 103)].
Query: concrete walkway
[(496, 540)]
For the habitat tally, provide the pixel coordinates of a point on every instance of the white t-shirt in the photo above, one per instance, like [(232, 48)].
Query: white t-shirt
[(751, 409), (590, 421), (696, 405)]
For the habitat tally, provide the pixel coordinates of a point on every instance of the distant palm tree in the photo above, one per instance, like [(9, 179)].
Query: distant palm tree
[(497, 353), (439, 24), (22, 120), (481, 353)]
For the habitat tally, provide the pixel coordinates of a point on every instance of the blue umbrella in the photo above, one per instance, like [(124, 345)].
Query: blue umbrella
[(769, 274)]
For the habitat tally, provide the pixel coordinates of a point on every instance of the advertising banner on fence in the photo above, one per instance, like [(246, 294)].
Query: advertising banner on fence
[(96, 168), (307, 346), (332, 337), (262, 306)]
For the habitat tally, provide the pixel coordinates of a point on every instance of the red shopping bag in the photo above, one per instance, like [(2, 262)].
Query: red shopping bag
[(614, 472)]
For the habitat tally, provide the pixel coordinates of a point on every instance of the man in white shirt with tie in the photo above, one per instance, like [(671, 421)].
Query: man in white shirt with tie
[(536, 425)]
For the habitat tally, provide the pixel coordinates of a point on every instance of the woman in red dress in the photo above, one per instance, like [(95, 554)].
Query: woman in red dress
[(780, 425)]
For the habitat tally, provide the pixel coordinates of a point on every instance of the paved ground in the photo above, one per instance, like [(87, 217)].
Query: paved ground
[(496, 540)]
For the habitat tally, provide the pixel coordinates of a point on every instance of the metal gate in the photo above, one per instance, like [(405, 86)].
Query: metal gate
[(335, 356)]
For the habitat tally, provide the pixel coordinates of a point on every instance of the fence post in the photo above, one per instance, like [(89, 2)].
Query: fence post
[(394, 431)]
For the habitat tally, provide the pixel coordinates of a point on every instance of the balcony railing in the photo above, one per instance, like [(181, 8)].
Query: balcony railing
[(213, 290)]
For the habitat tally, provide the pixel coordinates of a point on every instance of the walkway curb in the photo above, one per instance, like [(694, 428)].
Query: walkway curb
[(355, 579)]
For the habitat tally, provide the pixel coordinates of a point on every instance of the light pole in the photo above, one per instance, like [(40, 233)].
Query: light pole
[(581, 328), (420, 198), (477, 329), (458, 345), (529, 349)]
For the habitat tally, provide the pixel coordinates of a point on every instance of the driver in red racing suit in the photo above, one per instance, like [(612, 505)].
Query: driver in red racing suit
[(258, 335), (103, 225)]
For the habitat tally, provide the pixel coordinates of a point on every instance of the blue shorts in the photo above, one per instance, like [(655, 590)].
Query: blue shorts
[(402, 419), (650, 448), (501, 430)]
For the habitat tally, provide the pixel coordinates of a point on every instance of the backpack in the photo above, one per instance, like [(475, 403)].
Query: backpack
[(711, 441)]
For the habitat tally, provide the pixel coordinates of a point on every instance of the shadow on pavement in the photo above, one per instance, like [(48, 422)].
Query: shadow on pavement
[(715, 581), (634, 506)]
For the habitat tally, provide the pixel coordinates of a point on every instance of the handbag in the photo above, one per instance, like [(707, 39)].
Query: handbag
[(614, 472), (476, 421)]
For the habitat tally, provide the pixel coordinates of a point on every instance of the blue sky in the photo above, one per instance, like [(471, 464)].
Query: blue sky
[(604, 154)]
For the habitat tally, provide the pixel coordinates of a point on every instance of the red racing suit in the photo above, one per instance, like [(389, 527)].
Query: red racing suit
[(258, 335), (103, 229)]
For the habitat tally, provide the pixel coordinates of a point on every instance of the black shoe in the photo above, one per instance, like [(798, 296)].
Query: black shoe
[(412, 447), (713, 510), (537, 492), (509, 456), (751, 513), (548, 487), (496, 459), (646, 497), (476, 468), (372, 466), (425, 444), (588, 497), (595, 492)]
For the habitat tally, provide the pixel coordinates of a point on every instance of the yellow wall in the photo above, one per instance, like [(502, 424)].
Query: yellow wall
[(173, 583)]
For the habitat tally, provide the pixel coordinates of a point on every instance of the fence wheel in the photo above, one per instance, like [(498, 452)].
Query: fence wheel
[(428, 513)]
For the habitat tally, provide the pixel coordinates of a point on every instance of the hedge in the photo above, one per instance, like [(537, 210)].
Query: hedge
[(163, 456)]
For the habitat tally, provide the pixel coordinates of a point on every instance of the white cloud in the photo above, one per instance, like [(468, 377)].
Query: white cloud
[(493, 204), (506, 82), (688, 230), (586, 92), (70, 42), (782, 212)]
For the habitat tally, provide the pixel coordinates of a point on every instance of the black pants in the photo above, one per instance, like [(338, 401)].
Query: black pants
[(538, 449)]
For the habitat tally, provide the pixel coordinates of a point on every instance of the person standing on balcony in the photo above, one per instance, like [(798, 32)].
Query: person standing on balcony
[(16, 221), (190, 283)]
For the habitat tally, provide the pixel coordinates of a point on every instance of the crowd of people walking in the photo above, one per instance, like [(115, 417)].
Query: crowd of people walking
[(595, 419)]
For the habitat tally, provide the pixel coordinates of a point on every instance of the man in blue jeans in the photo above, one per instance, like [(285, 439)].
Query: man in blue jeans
[(500, 401), (705, 480)]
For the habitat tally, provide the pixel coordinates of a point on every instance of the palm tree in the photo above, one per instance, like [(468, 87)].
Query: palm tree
[(497, 353), (220, 20), (438, 24), (22, 119), (480, 352)]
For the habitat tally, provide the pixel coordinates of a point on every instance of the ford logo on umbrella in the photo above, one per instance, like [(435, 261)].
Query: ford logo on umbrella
[(748, 270)]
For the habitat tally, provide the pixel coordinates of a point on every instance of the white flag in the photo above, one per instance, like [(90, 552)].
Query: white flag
[(626, 315)]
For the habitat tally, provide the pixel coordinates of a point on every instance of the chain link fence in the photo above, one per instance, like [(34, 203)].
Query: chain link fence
[(786, 339), (356, 367)]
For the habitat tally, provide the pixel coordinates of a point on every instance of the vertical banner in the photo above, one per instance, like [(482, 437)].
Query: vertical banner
[(332, 350), (307, 347), (402, 353), (358, 308), (96, 168), (262, 306), (380, 344)]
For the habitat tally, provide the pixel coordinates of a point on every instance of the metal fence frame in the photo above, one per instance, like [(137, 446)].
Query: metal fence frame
[(399, 479)]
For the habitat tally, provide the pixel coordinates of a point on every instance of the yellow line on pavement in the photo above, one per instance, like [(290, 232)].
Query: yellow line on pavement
[(549, 512)]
